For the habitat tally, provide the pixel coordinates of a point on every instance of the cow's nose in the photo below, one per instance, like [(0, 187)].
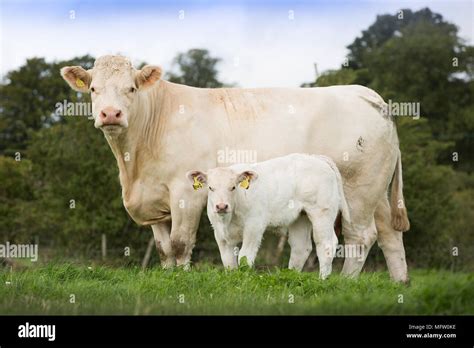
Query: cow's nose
[(110, 116), (222, 207)]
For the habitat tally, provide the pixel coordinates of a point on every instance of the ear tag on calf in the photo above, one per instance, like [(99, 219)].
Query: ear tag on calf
[(197, 184), (245, 183), (80, 83)]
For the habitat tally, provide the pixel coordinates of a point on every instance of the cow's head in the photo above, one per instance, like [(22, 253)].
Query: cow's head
[(222, 184), (114, 84)]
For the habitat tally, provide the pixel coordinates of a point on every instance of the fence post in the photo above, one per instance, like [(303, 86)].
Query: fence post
[(104, 246), (147, 256), (37, 246)]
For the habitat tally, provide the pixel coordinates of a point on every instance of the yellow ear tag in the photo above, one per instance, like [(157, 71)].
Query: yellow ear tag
[(245, 183), (197, 184), (80, 83)]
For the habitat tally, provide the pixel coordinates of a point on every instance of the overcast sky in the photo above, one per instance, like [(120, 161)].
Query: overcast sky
[(259, 42)]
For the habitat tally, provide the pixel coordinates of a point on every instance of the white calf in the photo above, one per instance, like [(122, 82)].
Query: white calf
[(240, 208)]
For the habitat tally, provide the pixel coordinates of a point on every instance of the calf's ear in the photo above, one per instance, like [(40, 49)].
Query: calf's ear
[(78, 78), (197, 178), (245, 178), (147, 76)]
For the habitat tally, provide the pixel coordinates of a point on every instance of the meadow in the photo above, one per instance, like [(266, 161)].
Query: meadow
[(70, 288)]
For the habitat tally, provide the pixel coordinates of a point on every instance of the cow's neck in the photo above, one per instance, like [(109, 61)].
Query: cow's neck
[(123, 152), (131, 148)]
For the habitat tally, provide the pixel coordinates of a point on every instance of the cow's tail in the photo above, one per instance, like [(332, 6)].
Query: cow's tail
[(343, 203), (400, 220), (343, 207)]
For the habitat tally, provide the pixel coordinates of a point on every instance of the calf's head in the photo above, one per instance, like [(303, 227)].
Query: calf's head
[(222, 184), (114, 84)]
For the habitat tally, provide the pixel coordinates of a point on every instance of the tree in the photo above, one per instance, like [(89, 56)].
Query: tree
[(16, 195), (28, 97), (196, 68), (389, 26)]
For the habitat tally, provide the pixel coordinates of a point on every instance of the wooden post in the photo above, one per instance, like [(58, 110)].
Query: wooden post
[(104, 246), (37, 246), (147, 256)]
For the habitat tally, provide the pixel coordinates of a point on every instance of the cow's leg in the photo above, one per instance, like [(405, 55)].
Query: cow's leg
[(252, 237), (226, 248), (360, 234), (299, 238), (161, 233), (358, 239), (185, 215), (391, 243), (324, 237)]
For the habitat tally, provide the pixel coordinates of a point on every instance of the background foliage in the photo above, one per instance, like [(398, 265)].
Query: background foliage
[(417, 58)]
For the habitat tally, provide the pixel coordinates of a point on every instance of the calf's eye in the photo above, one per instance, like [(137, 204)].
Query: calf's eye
[(132, 89), (92, 89), (233, 188), (210, 188)]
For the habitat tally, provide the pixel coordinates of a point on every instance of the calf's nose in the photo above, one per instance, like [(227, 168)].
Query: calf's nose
[(110, 116), (222, 207)]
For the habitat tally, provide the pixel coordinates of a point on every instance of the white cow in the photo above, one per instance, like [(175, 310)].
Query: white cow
[(244, 200), (159, 130)]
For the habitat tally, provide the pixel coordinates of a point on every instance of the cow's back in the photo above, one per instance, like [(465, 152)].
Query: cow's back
[(345, 123)]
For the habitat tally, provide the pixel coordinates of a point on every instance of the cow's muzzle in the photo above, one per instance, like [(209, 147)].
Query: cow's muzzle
[(111, 116)]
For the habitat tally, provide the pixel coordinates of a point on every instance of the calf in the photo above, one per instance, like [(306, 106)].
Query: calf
[(296, 191)]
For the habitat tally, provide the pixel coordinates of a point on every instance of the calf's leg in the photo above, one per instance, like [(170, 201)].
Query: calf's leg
[(252, 237), (324, 237), (299, 238), (226, 248)]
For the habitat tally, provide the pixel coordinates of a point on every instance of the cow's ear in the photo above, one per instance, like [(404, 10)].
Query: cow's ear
[(147, 76), (197, 178), (245, 178), (78, 78)]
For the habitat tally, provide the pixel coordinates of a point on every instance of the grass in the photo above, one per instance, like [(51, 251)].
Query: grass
[(212, 290)]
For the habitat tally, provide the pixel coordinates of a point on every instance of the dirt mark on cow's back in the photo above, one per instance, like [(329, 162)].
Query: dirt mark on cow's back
[(239, 104)]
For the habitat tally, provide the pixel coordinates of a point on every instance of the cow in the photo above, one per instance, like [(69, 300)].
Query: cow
[(244, 200), (159, 130)]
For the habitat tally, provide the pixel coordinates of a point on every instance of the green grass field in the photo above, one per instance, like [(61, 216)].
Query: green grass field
[(212, 290)]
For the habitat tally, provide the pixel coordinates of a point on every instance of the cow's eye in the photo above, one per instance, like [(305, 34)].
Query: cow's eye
[(233, 188), (132, 89), (210, 188), (92, 89)]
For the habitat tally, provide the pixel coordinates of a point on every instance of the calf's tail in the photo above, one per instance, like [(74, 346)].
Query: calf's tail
[(343, 207), (343, 203)]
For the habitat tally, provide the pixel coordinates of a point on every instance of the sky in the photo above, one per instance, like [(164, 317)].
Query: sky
[(261, 43)]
